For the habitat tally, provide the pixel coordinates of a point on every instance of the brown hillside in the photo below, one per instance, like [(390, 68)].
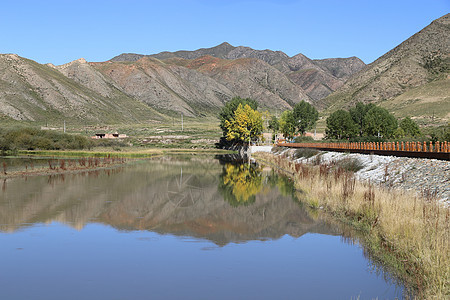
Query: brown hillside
[(418, 61)]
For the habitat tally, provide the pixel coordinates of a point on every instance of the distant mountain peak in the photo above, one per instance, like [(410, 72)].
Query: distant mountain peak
[(224, 45)]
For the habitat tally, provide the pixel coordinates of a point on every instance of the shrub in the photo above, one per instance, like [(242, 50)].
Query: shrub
[(32, 138), (303, 139), (305, 152), (350, 164)]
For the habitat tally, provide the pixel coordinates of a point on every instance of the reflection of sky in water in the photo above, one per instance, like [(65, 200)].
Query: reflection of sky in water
[(99, 262), (168, 230)]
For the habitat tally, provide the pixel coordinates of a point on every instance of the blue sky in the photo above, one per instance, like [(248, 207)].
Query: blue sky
[(64, 30)]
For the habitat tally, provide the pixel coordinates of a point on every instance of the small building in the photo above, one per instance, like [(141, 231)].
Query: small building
[(114, 135)]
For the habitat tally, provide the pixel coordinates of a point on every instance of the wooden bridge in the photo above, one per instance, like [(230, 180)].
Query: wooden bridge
[(437, 150)]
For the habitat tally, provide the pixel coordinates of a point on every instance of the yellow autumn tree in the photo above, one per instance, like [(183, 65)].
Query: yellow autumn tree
[(240, 183), (245, 126)]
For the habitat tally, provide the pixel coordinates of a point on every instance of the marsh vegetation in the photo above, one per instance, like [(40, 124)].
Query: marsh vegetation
[(408, 233)]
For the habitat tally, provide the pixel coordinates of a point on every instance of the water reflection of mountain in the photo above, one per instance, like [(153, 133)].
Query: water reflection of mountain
[(164, 196)]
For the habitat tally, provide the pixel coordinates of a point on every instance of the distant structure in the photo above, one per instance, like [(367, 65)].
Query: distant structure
[(114, 135)]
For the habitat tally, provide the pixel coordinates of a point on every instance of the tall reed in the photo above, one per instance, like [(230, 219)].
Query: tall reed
[(409, 232)]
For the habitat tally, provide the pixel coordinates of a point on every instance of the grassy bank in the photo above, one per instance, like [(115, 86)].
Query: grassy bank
[(195, 134), (407, 233), (130, 152)]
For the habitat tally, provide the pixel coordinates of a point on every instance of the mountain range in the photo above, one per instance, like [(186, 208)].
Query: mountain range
[(412, 79), (318, 78)]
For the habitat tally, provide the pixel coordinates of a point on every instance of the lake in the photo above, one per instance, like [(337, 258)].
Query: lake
[(193, 227)]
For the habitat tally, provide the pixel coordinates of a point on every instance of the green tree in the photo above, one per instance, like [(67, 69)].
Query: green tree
[(274, 126), (441, 133), (378, 121), (227, 112), (305, 116), (399, 133), (287, 124), (409, 127), (245, 126), (340, 125), (358, 113)]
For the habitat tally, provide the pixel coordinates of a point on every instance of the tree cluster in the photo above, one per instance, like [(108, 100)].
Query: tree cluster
[(242, 124), (368, 120), (303, 117)]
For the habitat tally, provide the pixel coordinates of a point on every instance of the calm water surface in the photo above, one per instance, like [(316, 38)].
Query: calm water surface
[(174, 228)]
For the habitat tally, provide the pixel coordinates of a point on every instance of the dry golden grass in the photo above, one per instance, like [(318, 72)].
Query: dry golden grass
[(410, 233)]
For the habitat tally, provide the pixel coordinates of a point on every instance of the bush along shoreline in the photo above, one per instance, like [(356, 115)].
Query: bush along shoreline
[(406, 232)]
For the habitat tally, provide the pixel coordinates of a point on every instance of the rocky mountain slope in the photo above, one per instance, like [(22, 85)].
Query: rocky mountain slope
[(318, 78), (133, 87), (168, 88), (194, 87), (248, 77), (35, 92), (411, 79)]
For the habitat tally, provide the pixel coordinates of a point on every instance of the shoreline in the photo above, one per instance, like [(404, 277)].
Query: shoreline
[(58, 170), (406, 232), (424, 177), (94, 160), (138, 153)]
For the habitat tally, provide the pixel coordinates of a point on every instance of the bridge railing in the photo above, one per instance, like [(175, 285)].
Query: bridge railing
[(438, 150), (386, 146)]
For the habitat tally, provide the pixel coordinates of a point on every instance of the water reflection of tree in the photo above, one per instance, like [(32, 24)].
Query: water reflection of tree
[(240, 183), (284, 184)]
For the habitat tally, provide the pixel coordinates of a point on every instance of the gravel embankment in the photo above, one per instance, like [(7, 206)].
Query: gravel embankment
[(425, 176)]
